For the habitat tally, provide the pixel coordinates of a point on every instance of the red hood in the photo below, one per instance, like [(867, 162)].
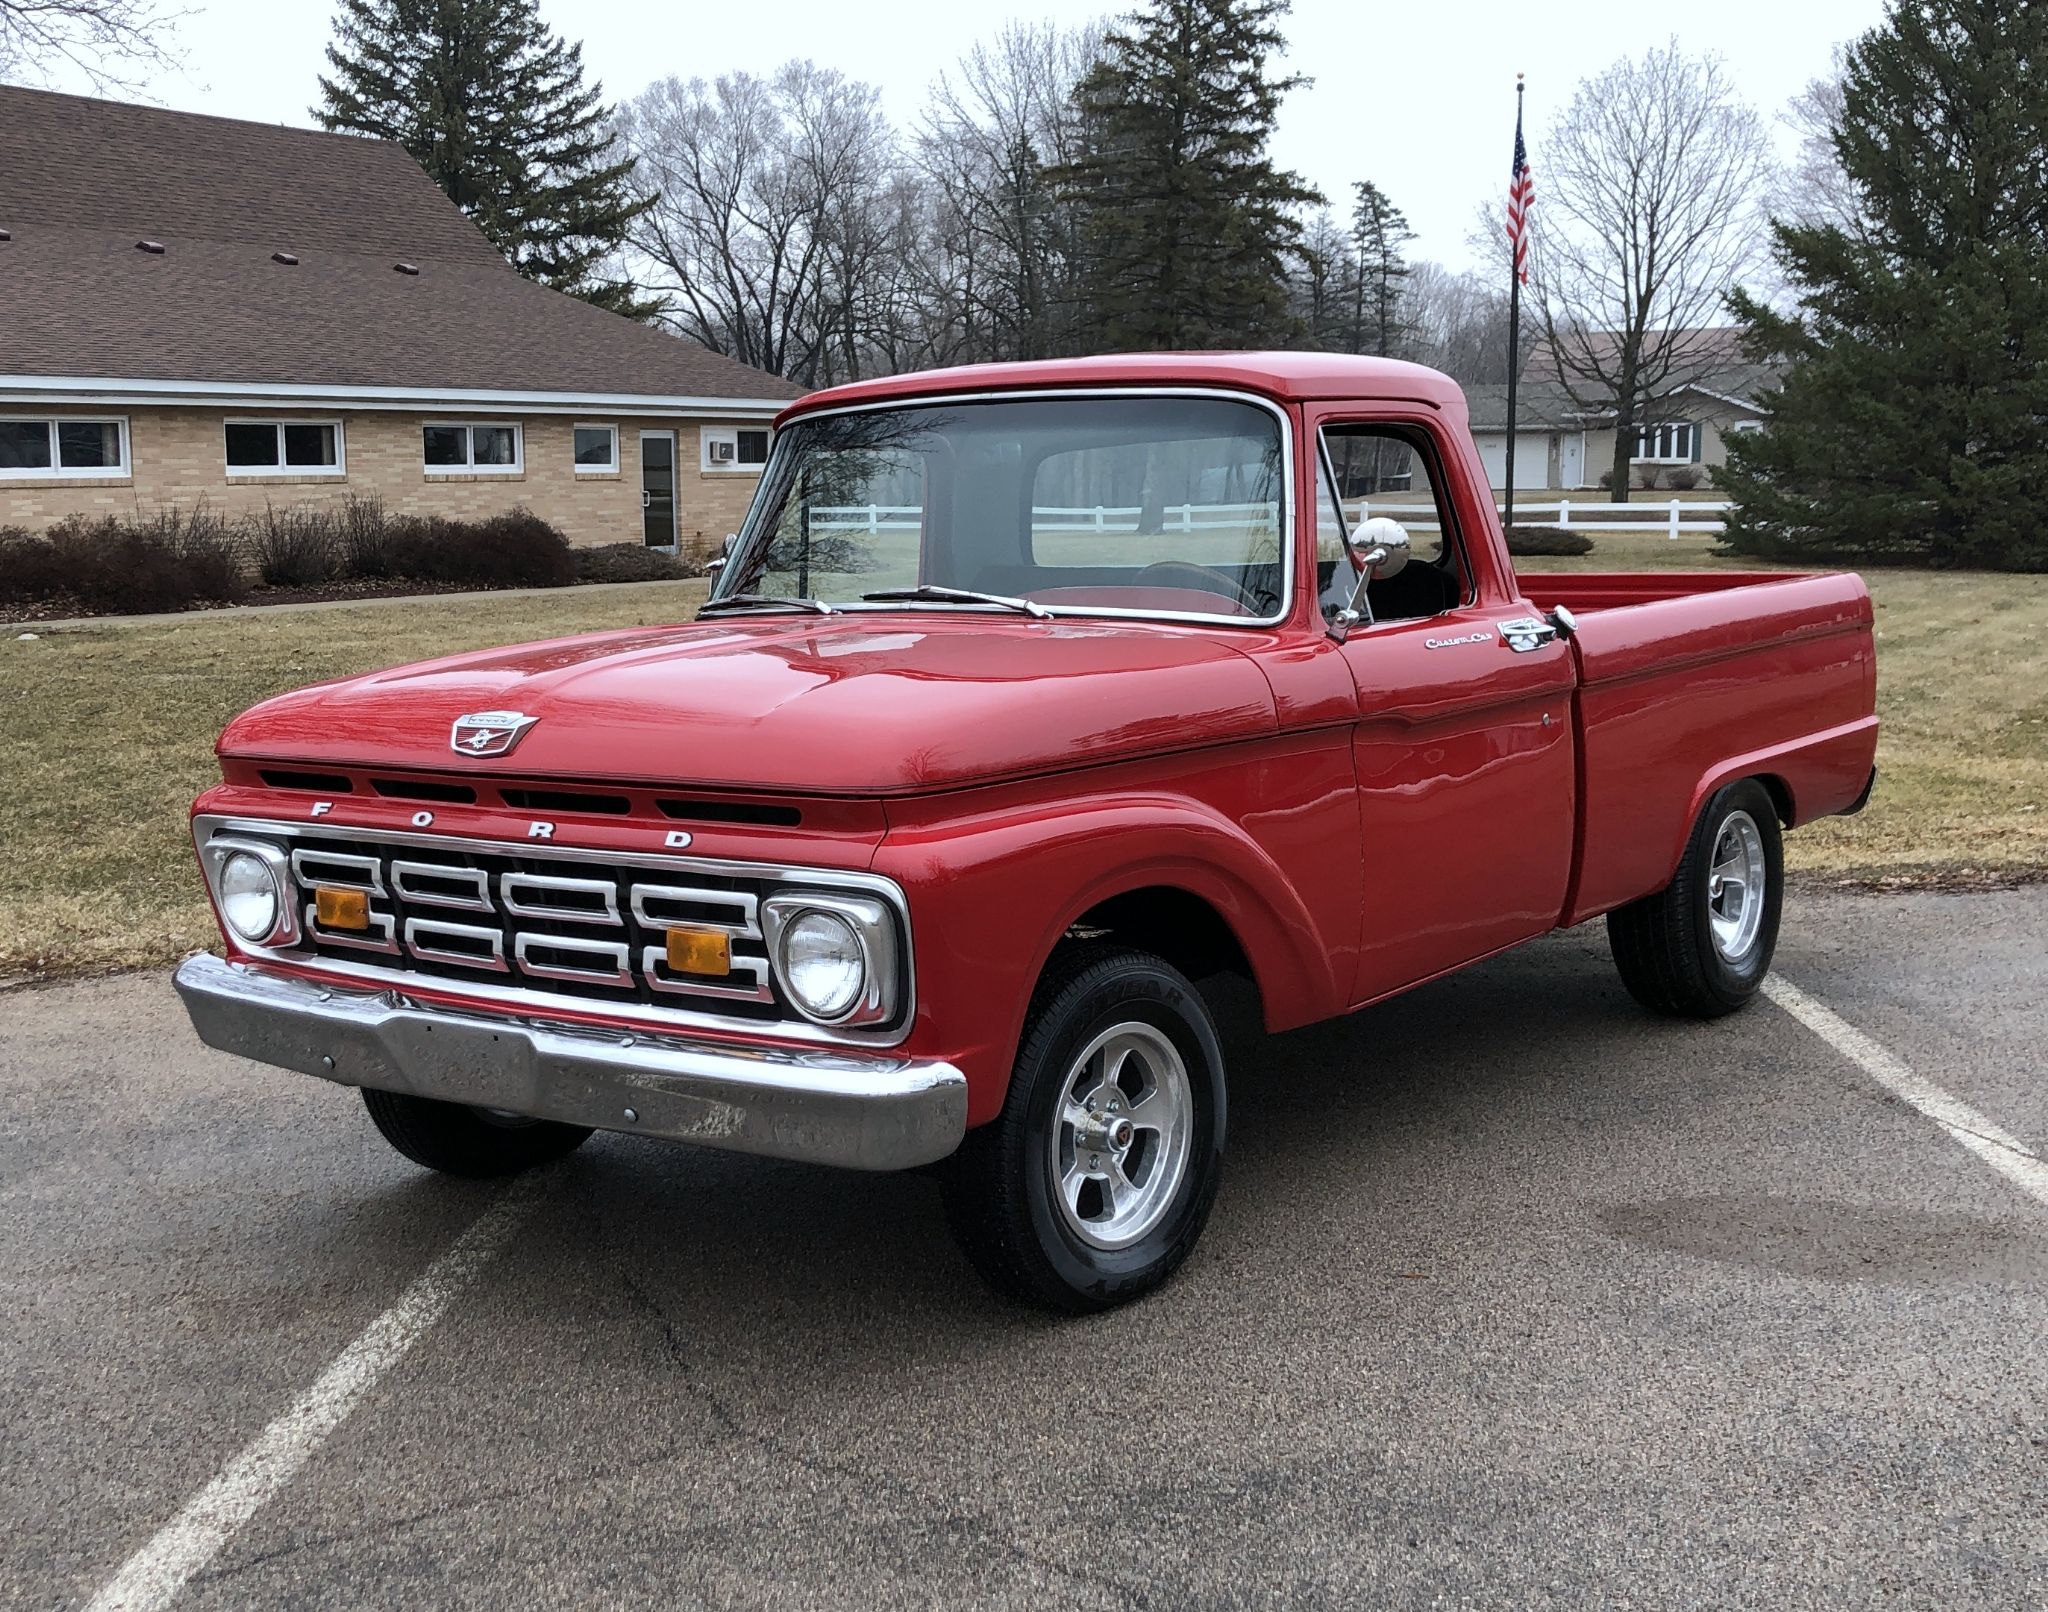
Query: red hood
[(851, 705)]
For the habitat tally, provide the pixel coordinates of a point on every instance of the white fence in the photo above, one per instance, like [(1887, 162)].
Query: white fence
[(1670, 519), (1680, 515), (874, 519)]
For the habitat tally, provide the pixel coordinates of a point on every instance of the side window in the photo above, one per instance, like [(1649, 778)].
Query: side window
[(1384, 472)]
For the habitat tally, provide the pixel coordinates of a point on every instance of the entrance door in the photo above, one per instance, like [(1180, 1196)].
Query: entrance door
[(658, 488), (1571, 459)]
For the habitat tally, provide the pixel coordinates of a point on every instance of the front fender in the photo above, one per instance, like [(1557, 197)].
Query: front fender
[(992, 893)]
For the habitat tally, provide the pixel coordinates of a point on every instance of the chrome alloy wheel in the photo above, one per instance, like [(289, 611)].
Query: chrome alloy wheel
[(1120, 1147), (1736, 886)]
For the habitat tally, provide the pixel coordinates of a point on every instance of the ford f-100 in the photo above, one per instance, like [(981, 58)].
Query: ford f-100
[(1027, 699)]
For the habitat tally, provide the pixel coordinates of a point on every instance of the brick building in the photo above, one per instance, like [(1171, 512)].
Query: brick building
[(203, 310)]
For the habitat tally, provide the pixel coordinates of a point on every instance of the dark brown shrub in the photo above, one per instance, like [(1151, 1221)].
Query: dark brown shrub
[(629, 562), (514, 550), (115, 567), (1682, 478), (298, 547), (368, 538), (1547, 540), (28, 566)]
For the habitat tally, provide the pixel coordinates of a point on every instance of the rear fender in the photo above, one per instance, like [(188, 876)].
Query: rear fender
[(1816, 776)]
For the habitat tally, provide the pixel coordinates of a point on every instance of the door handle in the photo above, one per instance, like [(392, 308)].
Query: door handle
[(1526, 633)]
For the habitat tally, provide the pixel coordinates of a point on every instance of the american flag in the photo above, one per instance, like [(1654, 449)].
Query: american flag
[(1521, 197)]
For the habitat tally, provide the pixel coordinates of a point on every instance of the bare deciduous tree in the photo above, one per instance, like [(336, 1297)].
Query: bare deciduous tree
[(1648, 211), (116, 44), (1815, 188), (775, 207), (995, 127), (1459, 322)]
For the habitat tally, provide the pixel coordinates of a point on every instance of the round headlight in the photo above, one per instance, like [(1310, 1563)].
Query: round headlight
[(823, 963), (248, 896)]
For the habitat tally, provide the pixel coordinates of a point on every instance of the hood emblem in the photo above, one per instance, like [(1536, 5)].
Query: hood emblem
[(489, 733)]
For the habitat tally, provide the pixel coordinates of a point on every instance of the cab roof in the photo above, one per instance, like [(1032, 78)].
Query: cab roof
[(1287, 377)]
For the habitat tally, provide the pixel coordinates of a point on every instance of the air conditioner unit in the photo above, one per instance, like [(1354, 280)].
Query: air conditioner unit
[(721, 453)]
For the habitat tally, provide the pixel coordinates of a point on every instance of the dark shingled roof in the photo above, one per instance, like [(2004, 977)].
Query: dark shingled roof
[(81, 181), (1539, 406)]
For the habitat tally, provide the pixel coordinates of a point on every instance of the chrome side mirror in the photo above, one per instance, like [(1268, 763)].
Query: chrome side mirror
[(1379, 548), (718, 563)]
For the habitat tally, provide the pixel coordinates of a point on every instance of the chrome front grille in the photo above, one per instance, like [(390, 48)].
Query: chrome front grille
[(525, 923)]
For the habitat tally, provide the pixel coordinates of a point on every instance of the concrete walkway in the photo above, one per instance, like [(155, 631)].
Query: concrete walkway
[(169, 618)]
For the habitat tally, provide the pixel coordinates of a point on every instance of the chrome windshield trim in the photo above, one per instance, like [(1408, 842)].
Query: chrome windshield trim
[(516, 999), (1289, 538)]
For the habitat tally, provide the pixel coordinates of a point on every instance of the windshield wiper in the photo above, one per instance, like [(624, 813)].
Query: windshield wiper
[(764, 601), (931, 590)]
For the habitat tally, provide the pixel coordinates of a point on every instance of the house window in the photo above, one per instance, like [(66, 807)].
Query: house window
[(63, 447), (1669, 442), (729, 447), (284, 447), (597, 449), (486, 449)]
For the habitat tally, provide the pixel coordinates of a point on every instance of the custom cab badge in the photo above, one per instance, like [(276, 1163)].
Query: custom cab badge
[(489, 733)]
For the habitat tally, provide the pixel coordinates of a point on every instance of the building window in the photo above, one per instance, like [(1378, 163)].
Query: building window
[(63, 447), (486, 449), (734, 447), (284, 447), (1667, 443), (597, 449)]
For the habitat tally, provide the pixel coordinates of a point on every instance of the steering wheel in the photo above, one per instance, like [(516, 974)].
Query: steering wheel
[(1187, 574)]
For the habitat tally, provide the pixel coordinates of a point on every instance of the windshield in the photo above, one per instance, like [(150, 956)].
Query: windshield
[(1091, 505)]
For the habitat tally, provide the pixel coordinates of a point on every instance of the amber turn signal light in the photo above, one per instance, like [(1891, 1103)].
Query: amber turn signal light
[(342, 909), (699, 951)]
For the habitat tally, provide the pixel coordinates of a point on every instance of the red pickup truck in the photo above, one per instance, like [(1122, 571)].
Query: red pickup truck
[(1027, 697)]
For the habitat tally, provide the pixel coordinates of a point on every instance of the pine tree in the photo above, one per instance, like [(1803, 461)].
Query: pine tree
[(493, 106), (1380, 234), (1187, 227), (1909, 427)]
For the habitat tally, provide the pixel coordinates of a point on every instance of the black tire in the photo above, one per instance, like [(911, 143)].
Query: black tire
[(999, 1187), (1665, 946), (458, 1140)]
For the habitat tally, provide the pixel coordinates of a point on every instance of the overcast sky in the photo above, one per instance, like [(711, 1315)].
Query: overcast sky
[(1417, 95)]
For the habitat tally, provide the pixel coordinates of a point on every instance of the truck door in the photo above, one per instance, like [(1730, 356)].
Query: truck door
[(1463, 745)]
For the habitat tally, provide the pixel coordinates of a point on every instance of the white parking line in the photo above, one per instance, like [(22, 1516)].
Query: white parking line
[(152, 1577), (1997, 1147)]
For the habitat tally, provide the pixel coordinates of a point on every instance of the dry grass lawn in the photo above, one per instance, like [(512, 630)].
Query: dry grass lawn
[(106, 736)]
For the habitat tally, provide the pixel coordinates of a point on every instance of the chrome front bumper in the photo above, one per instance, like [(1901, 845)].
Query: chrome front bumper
[(860, 1111)]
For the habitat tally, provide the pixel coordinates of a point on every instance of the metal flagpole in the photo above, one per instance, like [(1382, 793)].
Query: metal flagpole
[(1514, 305)]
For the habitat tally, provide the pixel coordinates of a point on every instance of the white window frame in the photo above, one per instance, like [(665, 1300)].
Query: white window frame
[(581, 469), (471, 468), (1664, 434), (55, 470), (335, 471), (706, 435)]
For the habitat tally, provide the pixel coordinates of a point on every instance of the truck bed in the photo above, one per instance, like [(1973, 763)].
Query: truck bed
[(1772, 673)]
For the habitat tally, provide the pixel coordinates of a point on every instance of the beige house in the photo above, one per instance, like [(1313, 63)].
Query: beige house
[(1562, 447), (199, 310)]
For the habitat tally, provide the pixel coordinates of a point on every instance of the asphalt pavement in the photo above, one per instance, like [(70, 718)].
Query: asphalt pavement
[(1514, 1297)]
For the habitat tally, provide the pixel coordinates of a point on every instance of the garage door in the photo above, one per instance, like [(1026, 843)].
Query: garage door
[(1532, 457)]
